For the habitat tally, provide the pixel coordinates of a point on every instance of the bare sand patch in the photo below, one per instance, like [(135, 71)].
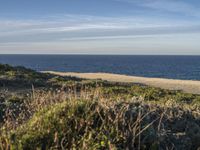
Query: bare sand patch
[(188, 86)]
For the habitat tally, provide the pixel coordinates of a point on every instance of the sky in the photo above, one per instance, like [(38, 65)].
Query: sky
[(129, 27)]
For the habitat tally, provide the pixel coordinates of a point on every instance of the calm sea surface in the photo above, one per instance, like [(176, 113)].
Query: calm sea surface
[(176, 67)]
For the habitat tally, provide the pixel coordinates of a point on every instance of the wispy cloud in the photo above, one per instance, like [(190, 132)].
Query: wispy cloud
[(84, 32), (78, 25), (173, 6)]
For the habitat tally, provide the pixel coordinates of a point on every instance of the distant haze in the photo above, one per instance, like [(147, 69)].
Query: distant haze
[(170, 27)]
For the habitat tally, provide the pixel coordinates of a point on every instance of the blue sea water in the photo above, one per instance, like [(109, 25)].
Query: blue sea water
[(174, 67)]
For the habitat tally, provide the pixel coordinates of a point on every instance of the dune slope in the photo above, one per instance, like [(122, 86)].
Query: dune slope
[(187, 86)]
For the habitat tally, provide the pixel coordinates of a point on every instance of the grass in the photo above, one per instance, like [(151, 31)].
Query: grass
[(70, 113)]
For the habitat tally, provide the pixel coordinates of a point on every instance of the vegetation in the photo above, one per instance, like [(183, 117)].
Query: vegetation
[(52, 112)]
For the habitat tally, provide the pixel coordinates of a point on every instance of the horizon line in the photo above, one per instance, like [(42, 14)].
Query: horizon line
[(106, 54)]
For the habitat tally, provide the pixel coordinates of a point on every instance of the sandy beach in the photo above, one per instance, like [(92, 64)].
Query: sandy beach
[(187, 86)]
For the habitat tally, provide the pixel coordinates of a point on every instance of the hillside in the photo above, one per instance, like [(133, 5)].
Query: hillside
[(46, 111)]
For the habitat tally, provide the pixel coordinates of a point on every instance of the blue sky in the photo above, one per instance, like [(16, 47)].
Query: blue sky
[(100, 27)]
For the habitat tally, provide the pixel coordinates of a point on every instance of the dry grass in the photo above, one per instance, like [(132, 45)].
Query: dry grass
[(90, 118)]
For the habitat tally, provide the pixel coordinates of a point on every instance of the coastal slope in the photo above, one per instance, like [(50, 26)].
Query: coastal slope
[(188, 86), (47, 111)]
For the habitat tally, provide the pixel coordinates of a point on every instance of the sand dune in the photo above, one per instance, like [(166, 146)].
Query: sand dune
[(188, 86)]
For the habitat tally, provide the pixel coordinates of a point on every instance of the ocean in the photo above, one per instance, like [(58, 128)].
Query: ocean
[(173, 67)]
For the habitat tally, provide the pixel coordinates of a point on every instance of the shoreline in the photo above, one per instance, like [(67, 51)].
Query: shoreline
[(187, 86)]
